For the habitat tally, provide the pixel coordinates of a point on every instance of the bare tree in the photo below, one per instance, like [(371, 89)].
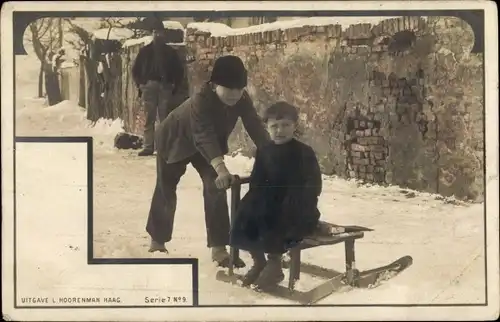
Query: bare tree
[(60, 32), (84, 43), (93, 52), (44, 35), (38, 37)]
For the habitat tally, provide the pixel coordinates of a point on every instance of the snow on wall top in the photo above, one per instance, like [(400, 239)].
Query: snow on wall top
[(145, 41), (222, 30), (172, 24), (114, 33), (215, 28), (132, 42), (168, 24)]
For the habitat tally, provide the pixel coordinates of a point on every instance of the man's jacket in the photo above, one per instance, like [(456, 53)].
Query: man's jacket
[(165, 66)]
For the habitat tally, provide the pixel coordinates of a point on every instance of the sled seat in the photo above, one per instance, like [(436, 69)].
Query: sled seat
[(347, 235), (326, 234)]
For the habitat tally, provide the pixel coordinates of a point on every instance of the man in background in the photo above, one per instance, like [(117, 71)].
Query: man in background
[(158, 73)]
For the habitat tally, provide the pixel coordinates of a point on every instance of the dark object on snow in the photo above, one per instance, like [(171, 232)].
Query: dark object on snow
[(125, 141)]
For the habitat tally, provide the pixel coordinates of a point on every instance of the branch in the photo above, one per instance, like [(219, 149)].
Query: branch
[(51, 42), (80, 32), (75, 45), (109, 29), (120, 24), (68, 20), (27, 38), (34, 30), (48, 42), (103, 22), (39, 23), (49, 25), (40, 51)]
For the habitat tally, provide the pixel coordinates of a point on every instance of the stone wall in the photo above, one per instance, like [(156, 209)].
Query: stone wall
[(400, 102)]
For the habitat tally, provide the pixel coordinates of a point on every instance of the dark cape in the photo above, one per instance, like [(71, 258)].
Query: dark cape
[(280, 208)]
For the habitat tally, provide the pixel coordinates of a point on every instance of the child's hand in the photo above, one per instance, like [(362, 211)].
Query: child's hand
[(224, 180), (224, 177)]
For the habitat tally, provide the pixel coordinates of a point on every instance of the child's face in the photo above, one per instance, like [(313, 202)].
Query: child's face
[(282, 130), (229, 96)]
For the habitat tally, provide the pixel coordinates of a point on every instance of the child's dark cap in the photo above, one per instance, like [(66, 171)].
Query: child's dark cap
[(229, 71), (281, 110)]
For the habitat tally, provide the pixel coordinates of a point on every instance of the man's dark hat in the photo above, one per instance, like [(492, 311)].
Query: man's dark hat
[(154, 24), (158, 25), (229, 72)]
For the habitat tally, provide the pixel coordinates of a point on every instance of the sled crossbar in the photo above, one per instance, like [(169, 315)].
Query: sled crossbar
[(335, 280)]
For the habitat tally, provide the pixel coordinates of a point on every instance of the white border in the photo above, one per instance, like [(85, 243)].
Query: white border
[(258, 313)]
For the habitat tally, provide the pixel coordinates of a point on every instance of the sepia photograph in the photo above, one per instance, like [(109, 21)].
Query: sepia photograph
[(246, 159)]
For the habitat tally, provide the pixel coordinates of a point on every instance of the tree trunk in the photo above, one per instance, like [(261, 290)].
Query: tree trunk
[(40, 81), (94, 107), (52, 86), (83, 84), (60, 32)]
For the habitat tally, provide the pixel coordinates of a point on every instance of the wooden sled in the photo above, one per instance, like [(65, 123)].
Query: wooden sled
[(335, 281)]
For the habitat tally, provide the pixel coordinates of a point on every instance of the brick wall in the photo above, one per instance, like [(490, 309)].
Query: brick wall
[(400, 102)]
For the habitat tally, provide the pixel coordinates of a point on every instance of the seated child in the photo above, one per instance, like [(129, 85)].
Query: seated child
[(280, 208)]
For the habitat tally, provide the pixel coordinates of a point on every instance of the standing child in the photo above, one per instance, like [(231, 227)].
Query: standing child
[(280, 208), (197, 133)]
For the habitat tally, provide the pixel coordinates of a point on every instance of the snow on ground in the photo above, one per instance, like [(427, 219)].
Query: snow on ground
[(222, 30), (445, 239)]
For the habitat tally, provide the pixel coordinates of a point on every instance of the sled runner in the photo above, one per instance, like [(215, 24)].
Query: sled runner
[(327, 234)]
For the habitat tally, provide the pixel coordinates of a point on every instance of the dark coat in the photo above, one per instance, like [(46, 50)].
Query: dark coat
[(202, 124), (165, 66), (280, 208)]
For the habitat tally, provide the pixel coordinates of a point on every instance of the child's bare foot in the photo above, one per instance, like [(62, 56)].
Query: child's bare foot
[(157, 247)]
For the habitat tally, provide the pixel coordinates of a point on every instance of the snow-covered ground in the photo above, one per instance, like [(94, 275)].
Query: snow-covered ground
[(446, 240)]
